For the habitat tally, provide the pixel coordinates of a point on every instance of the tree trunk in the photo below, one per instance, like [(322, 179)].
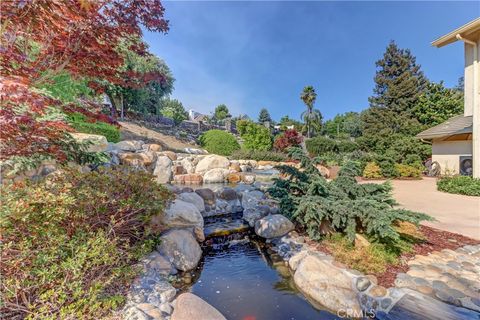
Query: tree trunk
[(122, 107), (113, 107)]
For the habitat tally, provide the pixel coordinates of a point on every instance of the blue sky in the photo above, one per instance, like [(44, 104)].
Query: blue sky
[(257, 54)]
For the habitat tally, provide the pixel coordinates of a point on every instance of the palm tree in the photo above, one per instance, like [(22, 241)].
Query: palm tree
[(312, 117)]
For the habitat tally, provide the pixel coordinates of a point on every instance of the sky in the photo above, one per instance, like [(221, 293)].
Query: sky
[(260, 54)]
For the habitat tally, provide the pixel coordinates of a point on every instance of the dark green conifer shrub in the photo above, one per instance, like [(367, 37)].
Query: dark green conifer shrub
[(341, 205)]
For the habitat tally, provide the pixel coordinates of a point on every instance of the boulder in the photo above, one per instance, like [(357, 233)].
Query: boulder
[(216, 175), (194, 199), (326, 284), (234, 177), (235, 166), (251, 199), (207, 195), (199, 234), (178, 169), (245, 168), (170, 154), (182, 214), (252, 215), (158, 263), (273, 226), (163, 169), (180, 247), (98, 143), (228, 194), (145, 158), (248, 178), (188, 165), (193, 178), (152, 147), (194, 151), (129, 145), (190, 307), (295, 260), (212, 162)]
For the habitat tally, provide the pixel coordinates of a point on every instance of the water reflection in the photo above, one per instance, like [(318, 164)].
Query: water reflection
[(245, 283)]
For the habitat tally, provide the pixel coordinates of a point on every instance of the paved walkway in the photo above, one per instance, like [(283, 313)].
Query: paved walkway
[(454, 213)]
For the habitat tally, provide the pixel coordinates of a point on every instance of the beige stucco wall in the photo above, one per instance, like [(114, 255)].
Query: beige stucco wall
[(468, 76), (447, 154)]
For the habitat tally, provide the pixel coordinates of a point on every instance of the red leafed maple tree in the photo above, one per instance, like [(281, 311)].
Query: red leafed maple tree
[(41, 38), (290, 138)]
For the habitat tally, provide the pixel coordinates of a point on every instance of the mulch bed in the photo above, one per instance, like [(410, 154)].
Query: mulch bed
[(435, 240)]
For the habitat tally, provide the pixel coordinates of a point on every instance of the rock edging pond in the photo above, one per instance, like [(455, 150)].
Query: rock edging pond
[(197, 217)]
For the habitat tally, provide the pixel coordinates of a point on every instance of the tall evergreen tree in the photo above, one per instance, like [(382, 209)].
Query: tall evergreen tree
[(264, 116), (399, 82), (438, 104)]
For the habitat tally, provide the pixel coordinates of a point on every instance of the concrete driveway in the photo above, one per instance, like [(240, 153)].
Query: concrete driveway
[(454, 213)]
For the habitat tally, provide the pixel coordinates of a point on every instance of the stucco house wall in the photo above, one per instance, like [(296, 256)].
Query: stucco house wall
[(468, 75), (447, 154)]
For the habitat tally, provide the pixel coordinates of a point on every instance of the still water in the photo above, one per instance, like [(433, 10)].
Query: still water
[(245, 283)]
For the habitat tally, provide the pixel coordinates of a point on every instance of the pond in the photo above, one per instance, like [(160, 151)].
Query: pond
[(243, 282)]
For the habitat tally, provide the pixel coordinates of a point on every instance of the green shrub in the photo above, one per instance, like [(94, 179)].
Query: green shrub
[(341, 205), (219, 142), (79, 122), (320, 145), (258, 155), (69, 243), (323, 145), (387, 165), (406, 171), (460, 185), (255, 136), (372, 171), (346, 146)]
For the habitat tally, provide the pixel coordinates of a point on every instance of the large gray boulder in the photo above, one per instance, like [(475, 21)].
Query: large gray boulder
[(98, 143), (129, 145), (212, 162), (326, 284), (163, 169), (190, 307), (251, 215), (182, 214), (207, 195), (180, 248), (216, 175), (194, 199), (273, 226), (158, 263), (251, 199)]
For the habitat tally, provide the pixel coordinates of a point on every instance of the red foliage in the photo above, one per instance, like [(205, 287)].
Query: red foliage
[(80, 37), (289, 138), (22, 134), (41, 38)]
